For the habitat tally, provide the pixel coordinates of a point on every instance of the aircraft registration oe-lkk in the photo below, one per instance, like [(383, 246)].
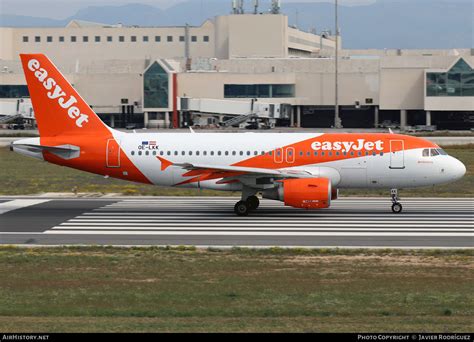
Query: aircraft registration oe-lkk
[(303, 170)]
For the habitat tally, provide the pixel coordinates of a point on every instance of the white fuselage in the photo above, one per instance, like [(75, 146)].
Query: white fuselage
[(401, 169)]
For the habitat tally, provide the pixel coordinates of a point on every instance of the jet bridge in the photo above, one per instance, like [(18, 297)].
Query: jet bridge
[(204, 112)]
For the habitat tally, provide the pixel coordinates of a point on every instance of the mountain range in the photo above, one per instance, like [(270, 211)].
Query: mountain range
[(421, 24)]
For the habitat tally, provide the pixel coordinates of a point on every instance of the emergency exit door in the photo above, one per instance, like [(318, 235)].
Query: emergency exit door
[(113, 153)]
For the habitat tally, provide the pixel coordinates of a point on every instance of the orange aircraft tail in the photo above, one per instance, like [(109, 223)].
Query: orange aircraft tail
[(59, 109)]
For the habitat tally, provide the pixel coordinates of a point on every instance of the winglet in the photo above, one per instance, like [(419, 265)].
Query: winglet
[(390, 130), (164, 163)]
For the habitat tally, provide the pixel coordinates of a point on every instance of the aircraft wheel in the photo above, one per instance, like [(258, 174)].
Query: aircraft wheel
[(241, 208), (397, 208), (253, 202)]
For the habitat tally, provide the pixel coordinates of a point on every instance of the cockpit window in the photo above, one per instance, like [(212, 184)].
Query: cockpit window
[(434, 152), (442, 152), (426, 152)]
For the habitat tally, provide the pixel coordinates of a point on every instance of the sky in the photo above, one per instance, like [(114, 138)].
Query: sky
[(61, 9)]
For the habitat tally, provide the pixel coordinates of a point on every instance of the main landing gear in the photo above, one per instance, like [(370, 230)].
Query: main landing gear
[(396, 206), (242, 208)]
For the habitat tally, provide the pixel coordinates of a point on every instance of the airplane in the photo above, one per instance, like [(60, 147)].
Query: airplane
[(303, 170)]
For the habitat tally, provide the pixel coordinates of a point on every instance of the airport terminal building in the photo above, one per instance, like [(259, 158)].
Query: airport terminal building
[(242, 64)]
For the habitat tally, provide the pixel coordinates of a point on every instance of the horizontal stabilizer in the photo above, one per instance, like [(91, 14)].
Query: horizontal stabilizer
[(33, 148)]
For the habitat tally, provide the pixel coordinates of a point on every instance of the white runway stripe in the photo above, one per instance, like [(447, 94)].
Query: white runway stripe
[(437, 218), (248, 220), (268, 218), (280, 215), (255, 226), (253, 233), (193, 228)]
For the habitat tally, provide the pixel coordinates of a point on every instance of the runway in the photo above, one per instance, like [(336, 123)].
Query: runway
[(210, 221)]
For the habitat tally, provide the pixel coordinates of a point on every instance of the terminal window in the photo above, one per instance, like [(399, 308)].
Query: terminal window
[(259, 90), (49, 39), (25, 39), (157, 39), (13, 91), (194, 39), (73, 39), (37, 39), (170, 38), (155, 87), (109, 38), (61, 39), (133, 38), (458, 81), (181, 38), (121, 38), (145, 38), (85, 39), (97, 39), (206, 39)]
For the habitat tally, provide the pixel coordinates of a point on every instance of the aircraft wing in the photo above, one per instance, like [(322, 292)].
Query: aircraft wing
[(229, 173)]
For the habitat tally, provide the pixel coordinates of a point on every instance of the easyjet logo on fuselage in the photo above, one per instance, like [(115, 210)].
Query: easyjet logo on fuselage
[(56, 93), (347, 146)]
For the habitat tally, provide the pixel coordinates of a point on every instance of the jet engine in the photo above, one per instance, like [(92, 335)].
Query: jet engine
[(307, 193)]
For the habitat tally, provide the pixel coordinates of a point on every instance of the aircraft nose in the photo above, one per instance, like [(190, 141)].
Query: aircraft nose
[(458, 169)]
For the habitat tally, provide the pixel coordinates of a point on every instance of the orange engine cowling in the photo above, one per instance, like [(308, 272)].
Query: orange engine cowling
[(308, 193)]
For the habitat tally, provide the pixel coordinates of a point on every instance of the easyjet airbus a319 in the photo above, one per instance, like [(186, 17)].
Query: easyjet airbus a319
[(303, 170)]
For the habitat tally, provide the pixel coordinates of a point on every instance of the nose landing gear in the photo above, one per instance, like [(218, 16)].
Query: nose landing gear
[(396, 206)]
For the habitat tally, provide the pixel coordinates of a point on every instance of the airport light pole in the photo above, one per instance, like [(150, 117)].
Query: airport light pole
[(337, 119)]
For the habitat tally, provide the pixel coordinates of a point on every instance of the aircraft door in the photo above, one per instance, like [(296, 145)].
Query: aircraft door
[(397, 154), (290, 155), (113, 153), (278, 156)]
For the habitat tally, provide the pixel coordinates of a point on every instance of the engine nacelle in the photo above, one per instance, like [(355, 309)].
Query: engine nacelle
[(307, 193)]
